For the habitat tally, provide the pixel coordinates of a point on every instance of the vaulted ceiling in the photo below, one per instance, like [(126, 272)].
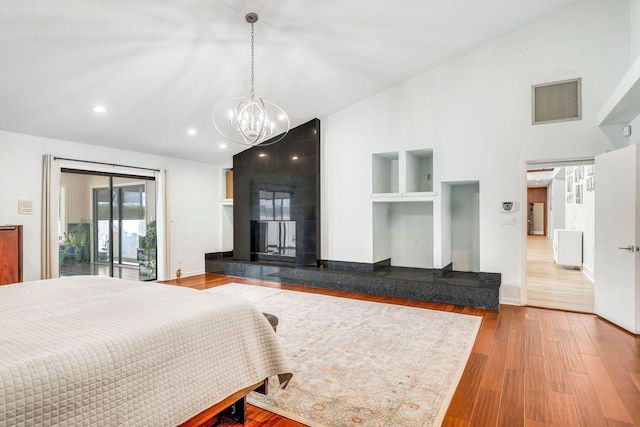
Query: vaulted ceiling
[(159, 67)]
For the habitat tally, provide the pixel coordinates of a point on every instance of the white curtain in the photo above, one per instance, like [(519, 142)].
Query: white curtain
[(161, 226), (50, 263)]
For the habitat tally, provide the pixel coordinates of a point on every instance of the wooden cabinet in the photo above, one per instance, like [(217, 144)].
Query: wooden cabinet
[(10, 254)]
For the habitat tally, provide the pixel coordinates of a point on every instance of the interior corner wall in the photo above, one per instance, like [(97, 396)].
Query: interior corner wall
[(411, 234), (227, 228), (442, 233), (381, 232), (557, 196), (581, 216), (474, 112), (465, 231), (193, 194)]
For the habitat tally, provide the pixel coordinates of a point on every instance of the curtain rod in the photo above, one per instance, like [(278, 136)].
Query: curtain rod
[(107, 164)]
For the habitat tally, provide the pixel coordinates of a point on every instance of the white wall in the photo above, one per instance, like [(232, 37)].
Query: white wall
[(442, 234), (475, 113), (381, 232), (581, 216), (193, 194), (634, 21), (557, 197), (227, 228)]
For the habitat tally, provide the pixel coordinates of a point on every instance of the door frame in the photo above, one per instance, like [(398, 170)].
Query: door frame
[(50, 244), (525, 165)]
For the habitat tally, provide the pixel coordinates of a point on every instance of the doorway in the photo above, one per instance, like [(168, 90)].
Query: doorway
[(107, 225), (560, 197), (537, 219)]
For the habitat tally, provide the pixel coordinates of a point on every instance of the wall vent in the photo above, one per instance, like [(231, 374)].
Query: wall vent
[(557, 101)]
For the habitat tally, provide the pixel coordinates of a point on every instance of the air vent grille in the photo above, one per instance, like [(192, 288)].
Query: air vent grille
[(557, 102)]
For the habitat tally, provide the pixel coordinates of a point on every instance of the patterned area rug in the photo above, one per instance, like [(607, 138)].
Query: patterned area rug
[(363, 363)]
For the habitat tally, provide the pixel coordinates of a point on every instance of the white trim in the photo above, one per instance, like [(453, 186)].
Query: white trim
[(589, 273), (563, 160), (510, 301)]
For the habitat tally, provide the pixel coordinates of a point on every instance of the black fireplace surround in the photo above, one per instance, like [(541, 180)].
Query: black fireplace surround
[(279, 182), (276, 233)]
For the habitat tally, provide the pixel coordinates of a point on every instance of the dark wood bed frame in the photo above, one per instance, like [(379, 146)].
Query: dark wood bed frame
[(234, 406)]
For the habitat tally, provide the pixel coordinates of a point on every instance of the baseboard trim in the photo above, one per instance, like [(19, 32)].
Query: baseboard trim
[(589, 273), (187, 274), (510, 301)]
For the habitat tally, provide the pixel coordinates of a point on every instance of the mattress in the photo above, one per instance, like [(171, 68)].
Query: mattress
[(91, 350)]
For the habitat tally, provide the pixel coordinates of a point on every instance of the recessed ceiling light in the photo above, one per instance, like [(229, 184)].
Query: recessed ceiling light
[(262, 155), (223, 146), (294, 158), (99, 109), (192, 132)]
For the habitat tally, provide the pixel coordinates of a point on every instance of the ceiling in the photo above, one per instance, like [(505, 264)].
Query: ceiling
[(542, 177), (159, 67)]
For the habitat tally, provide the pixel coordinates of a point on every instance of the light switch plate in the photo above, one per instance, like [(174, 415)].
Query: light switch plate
[(509, 220)]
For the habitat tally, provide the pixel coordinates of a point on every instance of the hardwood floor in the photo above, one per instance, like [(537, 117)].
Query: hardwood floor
[(529, 367), (550, 285)]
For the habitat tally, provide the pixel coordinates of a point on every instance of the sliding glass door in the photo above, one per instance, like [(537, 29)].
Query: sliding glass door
[(118, 217)]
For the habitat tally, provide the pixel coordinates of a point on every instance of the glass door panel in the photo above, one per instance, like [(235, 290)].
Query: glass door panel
[(77, 223), (107, 225), (102, 234), (135, 219)]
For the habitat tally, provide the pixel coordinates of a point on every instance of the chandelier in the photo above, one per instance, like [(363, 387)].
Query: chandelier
[(250, 120)]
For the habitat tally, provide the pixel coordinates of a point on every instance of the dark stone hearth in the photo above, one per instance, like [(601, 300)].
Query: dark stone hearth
[(490, 278), (457, 288), (213, 261), (444, 271)]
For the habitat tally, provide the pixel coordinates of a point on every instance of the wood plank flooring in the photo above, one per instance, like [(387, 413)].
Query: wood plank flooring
[(550, 285), (529, 367)]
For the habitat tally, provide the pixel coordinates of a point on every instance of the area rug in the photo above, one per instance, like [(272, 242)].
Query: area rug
[(363, 363)]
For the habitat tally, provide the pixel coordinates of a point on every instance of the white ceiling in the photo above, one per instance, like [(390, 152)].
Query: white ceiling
[(161, 66), (540, 178)]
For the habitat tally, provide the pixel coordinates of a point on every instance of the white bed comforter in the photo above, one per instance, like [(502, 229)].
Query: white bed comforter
[(90, 350)]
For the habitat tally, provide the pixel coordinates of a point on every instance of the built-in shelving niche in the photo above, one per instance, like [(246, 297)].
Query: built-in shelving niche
[(419, 171), (403, 232), (227, 187), (406, 174), (386, 173), (227, 210), (402, 197)]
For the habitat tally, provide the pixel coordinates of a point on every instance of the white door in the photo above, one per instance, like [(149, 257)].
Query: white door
[(617, 236)]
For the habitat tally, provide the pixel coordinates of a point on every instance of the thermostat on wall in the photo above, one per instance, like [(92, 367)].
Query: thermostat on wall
[(25, 207), (508, 206)]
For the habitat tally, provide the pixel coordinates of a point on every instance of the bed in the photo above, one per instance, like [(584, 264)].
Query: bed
[(92, 350)]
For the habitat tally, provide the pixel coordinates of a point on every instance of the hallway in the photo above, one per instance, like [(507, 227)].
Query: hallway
[(553, 286)]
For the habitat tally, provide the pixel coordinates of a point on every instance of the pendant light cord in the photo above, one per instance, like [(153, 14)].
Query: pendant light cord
[(253, 92)]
